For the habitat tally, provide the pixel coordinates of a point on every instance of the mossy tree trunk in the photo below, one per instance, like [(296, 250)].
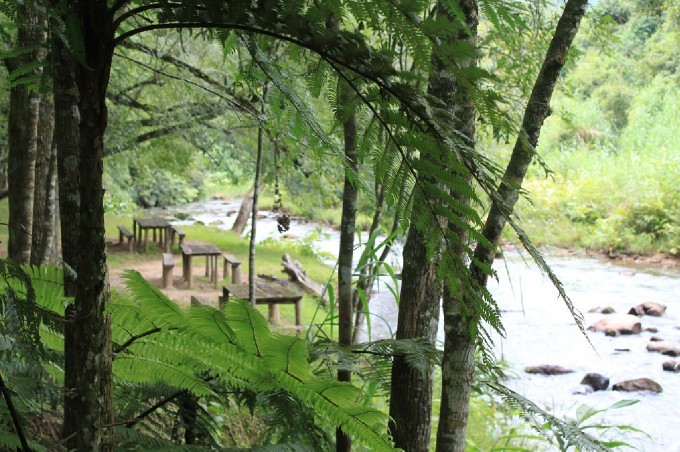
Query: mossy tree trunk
[(44, 197), (347, 230), (458, 363), (89, 409)]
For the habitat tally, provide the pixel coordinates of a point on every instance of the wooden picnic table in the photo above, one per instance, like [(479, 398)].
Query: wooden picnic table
[(266, 293), (155, 224), (189, 250)]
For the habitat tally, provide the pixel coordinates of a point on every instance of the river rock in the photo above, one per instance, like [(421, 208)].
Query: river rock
[(615, 325), (665, 348), (547, 369), (656, 339), (652, 329), (601, 310), (648, 308), (671, 366), (638, 384), (596, 381)]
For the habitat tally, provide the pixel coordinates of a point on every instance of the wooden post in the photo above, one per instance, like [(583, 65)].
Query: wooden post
[(146, 239), (236, 274), (274, 317)]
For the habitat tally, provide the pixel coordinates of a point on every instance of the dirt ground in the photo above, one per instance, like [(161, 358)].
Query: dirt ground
[(152, 270)]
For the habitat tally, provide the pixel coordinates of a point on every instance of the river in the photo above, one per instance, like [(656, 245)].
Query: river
[(540, 329)]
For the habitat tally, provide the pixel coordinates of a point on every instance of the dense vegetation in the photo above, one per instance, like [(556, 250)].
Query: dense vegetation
[(408, 104), (610, 145)]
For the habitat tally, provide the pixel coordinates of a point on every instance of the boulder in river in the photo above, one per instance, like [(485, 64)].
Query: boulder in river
[(615, 325), (547, 369), (638, 384), (651, 329), (665, 348), (656, 339), (596, 381), (671, 366), (648, 308), (601, 310)]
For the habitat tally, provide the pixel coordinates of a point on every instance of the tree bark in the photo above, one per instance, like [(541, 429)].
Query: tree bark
[(256, 192), (22, 138), (44, 197), (458, 363), (89, 350), (346, 251), (536, 112), (243, 214), (411, 389)]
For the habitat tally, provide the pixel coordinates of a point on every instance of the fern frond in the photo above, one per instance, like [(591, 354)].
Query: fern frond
[(571, 435)]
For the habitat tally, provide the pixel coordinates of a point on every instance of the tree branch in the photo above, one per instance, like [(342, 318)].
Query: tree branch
[(15, 416)]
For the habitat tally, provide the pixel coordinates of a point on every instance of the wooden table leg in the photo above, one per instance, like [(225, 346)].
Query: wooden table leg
[(189, 271), (274, 317), (213, 259), (298, 314)]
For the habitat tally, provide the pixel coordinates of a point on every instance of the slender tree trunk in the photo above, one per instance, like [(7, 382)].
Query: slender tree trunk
[(536, 112), (89, 350), (458, 363), (44, 197), (67, 142), (411, 389), (243, 213), (256, 192), (346, 251), (22, 137)]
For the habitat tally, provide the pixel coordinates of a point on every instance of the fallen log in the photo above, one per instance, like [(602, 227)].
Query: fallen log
[(295, 272)]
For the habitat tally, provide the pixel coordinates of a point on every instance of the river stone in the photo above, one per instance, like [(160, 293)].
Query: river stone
[(601, 310), (665, 348), (656, 339), (620, 324), (596, 381), (547, 369), (671, 366), (638, 384), (652, 329), (648, 308)]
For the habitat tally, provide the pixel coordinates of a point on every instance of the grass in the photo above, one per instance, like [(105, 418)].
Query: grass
[(268, 261)]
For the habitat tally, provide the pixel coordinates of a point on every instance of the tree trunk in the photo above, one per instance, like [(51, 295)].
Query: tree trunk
[(67, 143), (536, 112), (256, 193), (411, 389), (243, 214), (22, 138), (458, 363), (90, 410), (44, 196), (67, 122), (346, 251)]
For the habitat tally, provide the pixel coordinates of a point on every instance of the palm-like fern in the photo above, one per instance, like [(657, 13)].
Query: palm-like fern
[(185, 348)]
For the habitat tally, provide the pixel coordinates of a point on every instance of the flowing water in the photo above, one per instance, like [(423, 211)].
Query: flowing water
[(540, 329)]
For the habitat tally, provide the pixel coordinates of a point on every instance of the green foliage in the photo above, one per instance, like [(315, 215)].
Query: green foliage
[(612, 146)]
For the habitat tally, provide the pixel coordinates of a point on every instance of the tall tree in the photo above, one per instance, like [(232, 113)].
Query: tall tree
[(22, 132), (347, 232), (44, 198), (458, 363)]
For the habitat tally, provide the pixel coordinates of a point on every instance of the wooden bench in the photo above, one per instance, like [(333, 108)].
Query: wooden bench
[(168, 264), (125, 233), (235, 264), (176, 230)]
